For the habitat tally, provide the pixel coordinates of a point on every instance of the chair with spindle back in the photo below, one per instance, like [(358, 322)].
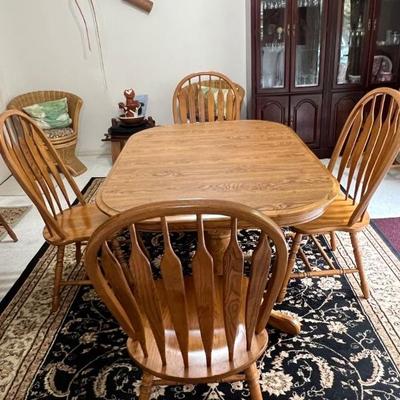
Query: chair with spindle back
[(37, 167), (206, 97), (367, 147), (190, 329)]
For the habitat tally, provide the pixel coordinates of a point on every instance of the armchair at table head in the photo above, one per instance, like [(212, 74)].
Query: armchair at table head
[(203, 327)]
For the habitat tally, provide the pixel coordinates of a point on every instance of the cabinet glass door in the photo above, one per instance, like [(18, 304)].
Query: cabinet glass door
[(385, 64), (352, 43), (273, 43), (308, 29)]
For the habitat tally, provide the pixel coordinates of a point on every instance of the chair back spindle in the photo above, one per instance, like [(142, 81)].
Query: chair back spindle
[(233, 263), (203, 273), (156, 309)]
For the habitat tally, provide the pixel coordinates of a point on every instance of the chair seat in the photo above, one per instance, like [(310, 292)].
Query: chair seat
[(58, 133), (335, 218), (78, 223), (198, 372)]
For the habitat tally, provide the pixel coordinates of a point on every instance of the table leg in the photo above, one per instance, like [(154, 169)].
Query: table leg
[(217, 241), (284, 323), (115, 150)]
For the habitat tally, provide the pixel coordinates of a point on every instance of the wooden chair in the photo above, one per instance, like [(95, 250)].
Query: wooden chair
[(367, 147), (64, 140), (190, 329), (37, 167), (8, 229), (206, 97)]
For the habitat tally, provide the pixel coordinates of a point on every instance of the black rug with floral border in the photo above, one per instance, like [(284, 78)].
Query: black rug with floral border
[(343, 352)]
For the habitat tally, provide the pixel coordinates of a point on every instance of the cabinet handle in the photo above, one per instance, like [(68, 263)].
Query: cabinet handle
[(374, 28), (369, 24), (294, 30), (288, 29), (291, 122)]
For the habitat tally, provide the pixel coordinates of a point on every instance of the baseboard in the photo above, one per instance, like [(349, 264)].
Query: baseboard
[(93, 153)]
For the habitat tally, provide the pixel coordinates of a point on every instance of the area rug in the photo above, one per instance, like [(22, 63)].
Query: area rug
[(389, 228), (12, 215), (349, 348)]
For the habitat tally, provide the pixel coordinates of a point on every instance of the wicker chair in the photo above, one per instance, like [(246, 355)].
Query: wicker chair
[(65, 143)]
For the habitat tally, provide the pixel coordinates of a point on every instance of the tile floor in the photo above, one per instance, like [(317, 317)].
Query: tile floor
[(14, 257)]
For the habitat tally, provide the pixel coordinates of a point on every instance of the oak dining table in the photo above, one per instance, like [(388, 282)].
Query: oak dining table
[(261, 164)]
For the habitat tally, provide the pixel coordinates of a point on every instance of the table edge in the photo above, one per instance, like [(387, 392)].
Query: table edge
[(296, 217)]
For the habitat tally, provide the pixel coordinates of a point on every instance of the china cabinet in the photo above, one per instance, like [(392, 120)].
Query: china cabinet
[(314, 59)]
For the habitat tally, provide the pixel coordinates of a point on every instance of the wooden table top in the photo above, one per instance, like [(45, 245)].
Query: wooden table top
[(262, 164)]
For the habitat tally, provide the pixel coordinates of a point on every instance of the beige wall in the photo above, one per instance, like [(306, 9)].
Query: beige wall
[(45, 49)]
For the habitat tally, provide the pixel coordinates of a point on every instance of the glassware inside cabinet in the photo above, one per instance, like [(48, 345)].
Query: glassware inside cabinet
[(386, 60), (308, 42), (273, 43), (352, 40)]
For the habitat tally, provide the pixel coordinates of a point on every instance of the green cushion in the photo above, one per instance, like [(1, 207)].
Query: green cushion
[(51, 114), (214, 92)]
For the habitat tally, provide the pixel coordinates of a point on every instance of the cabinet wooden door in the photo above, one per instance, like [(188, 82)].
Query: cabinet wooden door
[(305, 118), (274, 108), (341, 107)]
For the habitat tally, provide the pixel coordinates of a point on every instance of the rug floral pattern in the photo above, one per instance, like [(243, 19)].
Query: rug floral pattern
[(80, 352), (338, 355), (12, 216)]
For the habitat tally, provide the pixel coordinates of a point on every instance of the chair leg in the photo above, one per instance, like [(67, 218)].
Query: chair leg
[(58, 277), (8, 228), (146, 386), (333, 241), (252, 380), (78, 252), (291, 262), (359, 264)]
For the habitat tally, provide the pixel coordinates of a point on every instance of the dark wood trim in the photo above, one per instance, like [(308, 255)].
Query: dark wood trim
[(296, 104), (281, 102), (336, 98), (374, 15), (253, 35)]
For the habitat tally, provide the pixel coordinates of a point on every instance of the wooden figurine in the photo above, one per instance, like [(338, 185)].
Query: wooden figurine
[(131, 105)]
